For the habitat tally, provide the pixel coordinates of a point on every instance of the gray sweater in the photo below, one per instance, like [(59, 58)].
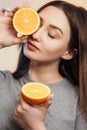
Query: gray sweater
[(64, 112)]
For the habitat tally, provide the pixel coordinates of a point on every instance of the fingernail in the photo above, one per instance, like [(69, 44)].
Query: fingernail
[(8, 9), (19, 35)]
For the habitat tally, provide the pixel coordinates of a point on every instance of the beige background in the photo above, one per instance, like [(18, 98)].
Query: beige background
[(9, 56)]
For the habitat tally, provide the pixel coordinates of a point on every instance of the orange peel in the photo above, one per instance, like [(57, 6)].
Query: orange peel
[(35, 93)]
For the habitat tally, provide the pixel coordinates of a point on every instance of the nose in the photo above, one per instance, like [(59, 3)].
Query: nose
[(37, 35)]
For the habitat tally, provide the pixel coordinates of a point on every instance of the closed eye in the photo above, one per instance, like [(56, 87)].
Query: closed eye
[(51, 36)]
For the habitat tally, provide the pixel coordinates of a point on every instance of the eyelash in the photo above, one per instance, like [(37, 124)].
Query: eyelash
[(51, 36)]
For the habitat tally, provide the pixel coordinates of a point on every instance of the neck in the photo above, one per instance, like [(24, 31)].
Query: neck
[(45, 73)]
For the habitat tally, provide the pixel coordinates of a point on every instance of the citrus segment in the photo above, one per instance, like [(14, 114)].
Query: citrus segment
[(35, 93), (26, 21)]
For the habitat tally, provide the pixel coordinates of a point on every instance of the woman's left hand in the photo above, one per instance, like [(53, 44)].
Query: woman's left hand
[(25, 115), (8, 36)]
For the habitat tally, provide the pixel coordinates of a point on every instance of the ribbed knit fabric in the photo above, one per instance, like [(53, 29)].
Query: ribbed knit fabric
[(63, 114)]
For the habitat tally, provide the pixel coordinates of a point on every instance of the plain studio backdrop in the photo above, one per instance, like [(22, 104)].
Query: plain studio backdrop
[(9, 55)]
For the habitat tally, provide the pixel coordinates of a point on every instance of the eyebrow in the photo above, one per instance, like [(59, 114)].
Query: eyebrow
[(53, 26)]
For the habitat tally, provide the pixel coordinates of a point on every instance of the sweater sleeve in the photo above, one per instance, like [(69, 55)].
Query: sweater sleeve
[(2, 77), (5, 77), (81, 122)]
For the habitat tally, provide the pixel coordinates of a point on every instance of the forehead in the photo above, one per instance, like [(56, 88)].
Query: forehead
[(55, 16)]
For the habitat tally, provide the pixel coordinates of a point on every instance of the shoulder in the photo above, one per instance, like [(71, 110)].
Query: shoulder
[(6, 77), (5, 74)]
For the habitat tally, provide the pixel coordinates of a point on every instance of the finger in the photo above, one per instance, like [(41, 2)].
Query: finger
[(49, 101), (2, 12), (26, 3), (19, 40), (23, 103), (24, 39), (18, 110), (5, 12), (15, 113), (15, 9), (45, 105), (12, 12), (8, 12), (50, 98)]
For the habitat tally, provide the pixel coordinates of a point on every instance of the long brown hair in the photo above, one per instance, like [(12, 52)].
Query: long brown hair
[(75, 70)]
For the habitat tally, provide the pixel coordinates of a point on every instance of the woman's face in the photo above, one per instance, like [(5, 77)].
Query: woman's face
[(50, 42)]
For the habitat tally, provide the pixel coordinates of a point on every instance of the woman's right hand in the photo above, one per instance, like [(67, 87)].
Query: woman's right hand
[(25, 115), (8, 35)]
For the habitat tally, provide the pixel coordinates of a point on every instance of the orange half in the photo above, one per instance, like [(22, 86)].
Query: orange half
[(26, 21), (35, 93)]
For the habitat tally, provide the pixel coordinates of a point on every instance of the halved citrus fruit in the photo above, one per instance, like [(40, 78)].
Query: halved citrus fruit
[(26, 21), (35, 93)]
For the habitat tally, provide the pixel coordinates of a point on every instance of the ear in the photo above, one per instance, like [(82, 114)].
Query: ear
[(70, 54)]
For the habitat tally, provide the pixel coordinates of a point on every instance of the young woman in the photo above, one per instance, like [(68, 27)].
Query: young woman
[(55, 55)]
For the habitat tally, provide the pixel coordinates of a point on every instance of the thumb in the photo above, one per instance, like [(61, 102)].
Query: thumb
[(21, 39), (49, 101), (47, 104), (22, 102)]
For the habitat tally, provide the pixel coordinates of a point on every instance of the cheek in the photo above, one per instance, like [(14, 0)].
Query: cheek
[(53, 50)]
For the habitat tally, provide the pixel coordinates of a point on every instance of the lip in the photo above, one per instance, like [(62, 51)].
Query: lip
[(32, 46)]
